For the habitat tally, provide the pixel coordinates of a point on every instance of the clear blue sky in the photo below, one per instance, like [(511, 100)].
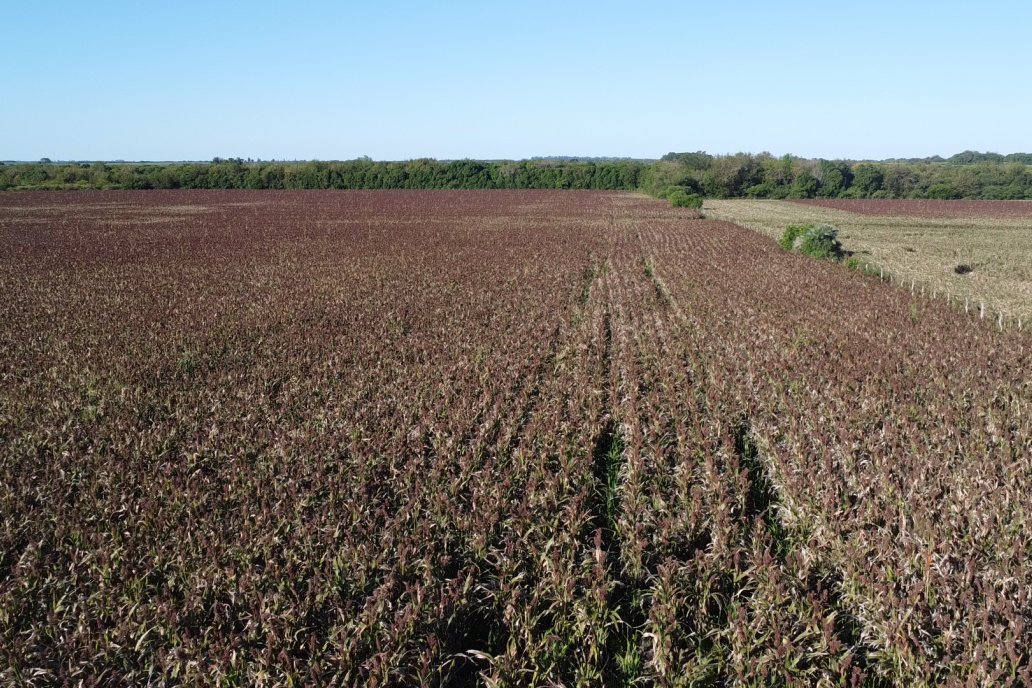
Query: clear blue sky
[(399, 80)]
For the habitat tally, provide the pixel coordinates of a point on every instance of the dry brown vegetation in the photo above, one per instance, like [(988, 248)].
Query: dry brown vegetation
[(920, 241), (517, 438), (938, 209)]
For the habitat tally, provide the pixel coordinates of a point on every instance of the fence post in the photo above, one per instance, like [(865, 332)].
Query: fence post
[(981, 312), (999, 322)]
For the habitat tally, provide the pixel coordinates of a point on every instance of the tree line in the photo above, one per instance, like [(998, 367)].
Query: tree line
[(354, 174), (765, 176), (965, 175)]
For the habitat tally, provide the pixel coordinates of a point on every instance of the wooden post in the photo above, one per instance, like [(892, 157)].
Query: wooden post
[(981, 312), (999, 322), (967, 304)]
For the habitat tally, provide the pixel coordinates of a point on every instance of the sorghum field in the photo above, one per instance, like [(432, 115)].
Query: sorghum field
[(974, 251), (510, 438)]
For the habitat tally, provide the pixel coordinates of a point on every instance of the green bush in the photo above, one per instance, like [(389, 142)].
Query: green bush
[(817, 242), (944, 191), (791, 233), (679, 198), (822, 242)]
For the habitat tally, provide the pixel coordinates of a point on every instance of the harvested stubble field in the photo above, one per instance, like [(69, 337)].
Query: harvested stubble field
[(920, 243), (937, 209), (518, 438)]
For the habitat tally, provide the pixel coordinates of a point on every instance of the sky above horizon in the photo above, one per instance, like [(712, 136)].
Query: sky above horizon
[(401, 80)]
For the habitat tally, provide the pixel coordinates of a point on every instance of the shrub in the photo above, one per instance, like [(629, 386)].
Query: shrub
[(821, 242), (791, 233), (679, 198), (817, 242), (944, 191)]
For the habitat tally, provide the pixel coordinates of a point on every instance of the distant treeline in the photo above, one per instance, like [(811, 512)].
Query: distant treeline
[(965, 175), (355, 174), (765, 176), (970, 157)]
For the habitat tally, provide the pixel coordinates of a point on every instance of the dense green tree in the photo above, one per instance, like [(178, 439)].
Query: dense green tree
[(778, 172), (33, 175), (805, 185), (698, 161), (943, 191), (835, 178), (729, 175), (899, 181), (663, 174), (867, 179)]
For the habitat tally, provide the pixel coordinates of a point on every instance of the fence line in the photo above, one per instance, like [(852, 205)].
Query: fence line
[(932, 293)]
